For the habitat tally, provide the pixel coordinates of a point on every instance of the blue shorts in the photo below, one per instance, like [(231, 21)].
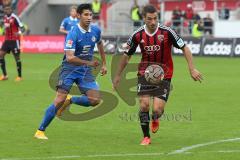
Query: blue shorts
[(85, 81)]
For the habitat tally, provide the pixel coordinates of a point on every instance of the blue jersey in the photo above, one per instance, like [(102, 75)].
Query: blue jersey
[(68, 23), (82, 42)]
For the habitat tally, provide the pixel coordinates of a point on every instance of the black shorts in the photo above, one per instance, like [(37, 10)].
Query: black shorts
[(160, 90), (11, 46)]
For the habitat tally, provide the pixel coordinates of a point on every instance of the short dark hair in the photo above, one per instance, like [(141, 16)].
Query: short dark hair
[(84, 6), (148, 9)]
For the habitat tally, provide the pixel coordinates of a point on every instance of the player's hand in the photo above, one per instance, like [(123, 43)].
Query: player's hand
[(93, 63), (103, 70), (116, 82), (196, 75)]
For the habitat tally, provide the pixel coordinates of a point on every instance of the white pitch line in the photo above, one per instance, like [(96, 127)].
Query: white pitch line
[(87, 156), (184, 149)]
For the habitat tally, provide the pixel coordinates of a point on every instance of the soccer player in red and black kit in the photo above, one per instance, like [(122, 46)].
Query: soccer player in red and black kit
[(13, 29), (155, 41)]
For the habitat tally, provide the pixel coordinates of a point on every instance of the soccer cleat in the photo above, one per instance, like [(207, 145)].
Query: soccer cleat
[(40, 135), (146, 141), (3, 78), (18, 79), (64, 106), (155, 126)]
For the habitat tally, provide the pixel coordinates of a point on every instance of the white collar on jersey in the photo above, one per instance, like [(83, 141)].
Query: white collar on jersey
[(150, 34), (72, 19), (83, 30)]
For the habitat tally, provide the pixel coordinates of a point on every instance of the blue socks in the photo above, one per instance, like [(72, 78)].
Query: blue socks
[(82, 101), (49, 115), (52, 110)]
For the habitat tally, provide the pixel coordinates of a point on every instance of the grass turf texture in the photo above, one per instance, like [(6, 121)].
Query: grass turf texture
[(214, 106)]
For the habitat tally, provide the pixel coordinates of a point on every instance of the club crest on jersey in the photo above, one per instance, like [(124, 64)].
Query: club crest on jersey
[(160, 37), (93, 39), (69, 43)]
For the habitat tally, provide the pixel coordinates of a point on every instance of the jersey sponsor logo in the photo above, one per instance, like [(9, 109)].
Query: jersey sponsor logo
[(93, 39), (152, 48), (180, 42), (86, 49), (160, 37), (69, 43)]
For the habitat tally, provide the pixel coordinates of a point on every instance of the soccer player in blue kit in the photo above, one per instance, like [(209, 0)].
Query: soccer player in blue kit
[(69, 22), (76, 68)]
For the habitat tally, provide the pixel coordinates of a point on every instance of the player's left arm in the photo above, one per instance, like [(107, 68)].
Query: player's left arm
[(195, 74), (179, 43), (20, 25), (103, 57)]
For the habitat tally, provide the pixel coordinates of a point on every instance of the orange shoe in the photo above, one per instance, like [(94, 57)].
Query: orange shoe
[(155, 126), (146, 141), (18, 79), (3, 78)]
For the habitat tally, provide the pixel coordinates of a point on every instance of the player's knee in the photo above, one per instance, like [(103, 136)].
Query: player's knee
[(95, 101), (144, 106), (59, 101)]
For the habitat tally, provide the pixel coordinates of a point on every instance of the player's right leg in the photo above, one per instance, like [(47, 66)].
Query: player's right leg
[(144, 117), (3, 52), (50, 113), (65, 83), (16, 53)]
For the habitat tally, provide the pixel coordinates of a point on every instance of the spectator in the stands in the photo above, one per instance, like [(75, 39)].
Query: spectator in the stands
[(208, 25), (188, 14), (198, 28), (96, 7), (176, 19), (224, 12), (196, 17), (136, 15), (1, 29)]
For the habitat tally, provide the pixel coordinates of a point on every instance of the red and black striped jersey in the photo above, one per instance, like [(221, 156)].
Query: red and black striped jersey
[(156, 48), (12, 25)]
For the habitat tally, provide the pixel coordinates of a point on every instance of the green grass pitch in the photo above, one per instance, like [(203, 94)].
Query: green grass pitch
[(214, 107)]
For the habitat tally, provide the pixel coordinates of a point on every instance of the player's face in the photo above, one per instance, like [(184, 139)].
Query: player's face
[(86, 17), (8, 10), (73, 13), (151, 21)]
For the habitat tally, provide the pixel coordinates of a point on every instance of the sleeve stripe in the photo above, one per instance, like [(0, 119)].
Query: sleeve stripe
[(141, 28), (18, 20), (69, 49)]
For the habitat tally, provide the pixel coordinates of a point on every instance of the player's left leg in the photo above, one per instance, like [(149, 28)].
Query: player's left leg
[(158, 110), (159, 102), (16, 52), (90, 96)]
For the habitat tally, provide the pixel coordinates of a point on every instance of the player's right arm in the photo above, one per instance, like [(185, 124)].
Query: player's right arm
[(71, 58), (63, 26), (130, 50)]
